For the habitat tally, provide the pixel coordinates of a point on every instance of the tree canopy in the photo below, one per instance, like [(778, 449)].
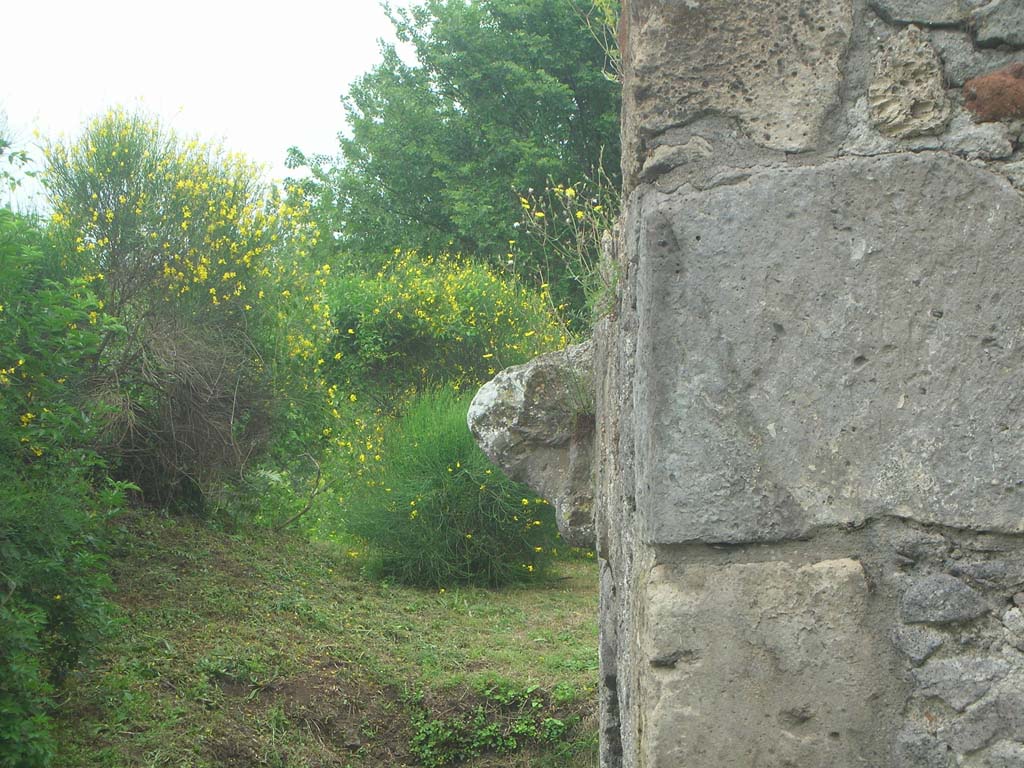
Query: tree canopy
[(503, 96)]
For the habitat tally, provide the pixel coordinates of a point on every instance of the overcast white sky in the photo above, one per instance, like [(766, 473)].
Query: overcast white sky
[(262, 77)]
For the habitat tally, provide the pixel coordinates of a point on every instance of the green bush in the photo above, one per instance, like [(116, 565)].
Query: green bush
[(507, 718), (209, 271), (436, 512), (51, 573), (423, 321)]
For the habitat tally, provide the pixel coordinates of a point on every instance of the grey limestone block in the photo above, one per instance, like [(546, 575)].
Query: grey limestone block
[(922, 11), (959, 681), (917, 748), (826, 345), (917, 643), (941, 599), (999, 23), (741, 662), (535, 421), (734, 59)]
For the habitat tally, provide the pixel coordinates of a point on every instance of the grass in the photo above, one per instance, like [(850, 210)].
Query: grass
[(267, 650)]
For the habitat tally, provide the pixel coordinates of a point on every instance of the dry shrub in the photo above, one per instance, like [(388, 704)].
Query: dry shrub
[(186, 410)]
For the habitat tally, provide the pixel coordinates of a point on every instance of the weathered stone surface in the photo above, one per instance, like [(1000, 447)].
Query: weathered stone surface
[(916, 545), (812, 359), (535, 421), (825, 345), (1005, 754), (959, 681), (941, 599), (907, 96), (922, 11), (985, 141), (1014, 172), (998, 95), (1001, 573), (962, 60), (962, 137), (999, 22), (917, 643), (994, 718), (666, 157), (746, 661), (916, 748), (1013, 621), (772, 65)]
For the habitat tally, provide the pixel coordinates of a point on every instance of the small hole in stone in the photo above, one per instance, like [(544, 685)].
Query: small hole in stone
[(778, 328), (859, 360), (698, 238), (834, 735)]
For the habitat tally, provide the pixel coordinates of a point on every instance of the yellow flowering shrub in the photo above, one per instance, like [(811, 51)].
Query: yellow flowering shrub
[(412, 483), (208, 270), (423, 321)]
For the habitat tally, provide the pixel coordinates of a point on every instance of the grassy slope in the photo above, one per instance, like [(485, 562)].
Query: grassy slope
[(270, 651)]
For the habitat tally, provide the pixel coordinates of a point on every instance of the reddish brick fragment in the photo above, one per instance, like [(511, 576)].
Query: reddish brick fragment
[(998, 95)]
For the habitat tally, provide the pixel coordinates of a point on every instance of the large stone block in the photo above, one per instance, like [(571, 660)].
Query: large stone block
[(536, 422), (820, 346), (773, 65), (763, 664)]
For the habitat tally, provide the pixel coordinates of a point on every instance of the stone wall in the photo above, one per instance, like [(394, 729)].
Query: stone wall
[(810, 414)]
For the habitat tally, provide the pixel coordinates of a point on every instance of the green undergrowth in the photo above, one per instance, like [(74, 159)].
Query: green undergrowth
[(267, 650)]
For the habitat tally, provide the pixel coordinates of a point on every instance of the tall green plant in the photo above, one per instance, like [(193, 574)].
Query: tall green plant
[(440, 513), (51, 573)]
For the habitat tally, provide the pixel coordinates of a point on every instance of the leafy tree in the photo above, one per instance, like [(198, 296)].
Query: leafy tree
[(504, 96)]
